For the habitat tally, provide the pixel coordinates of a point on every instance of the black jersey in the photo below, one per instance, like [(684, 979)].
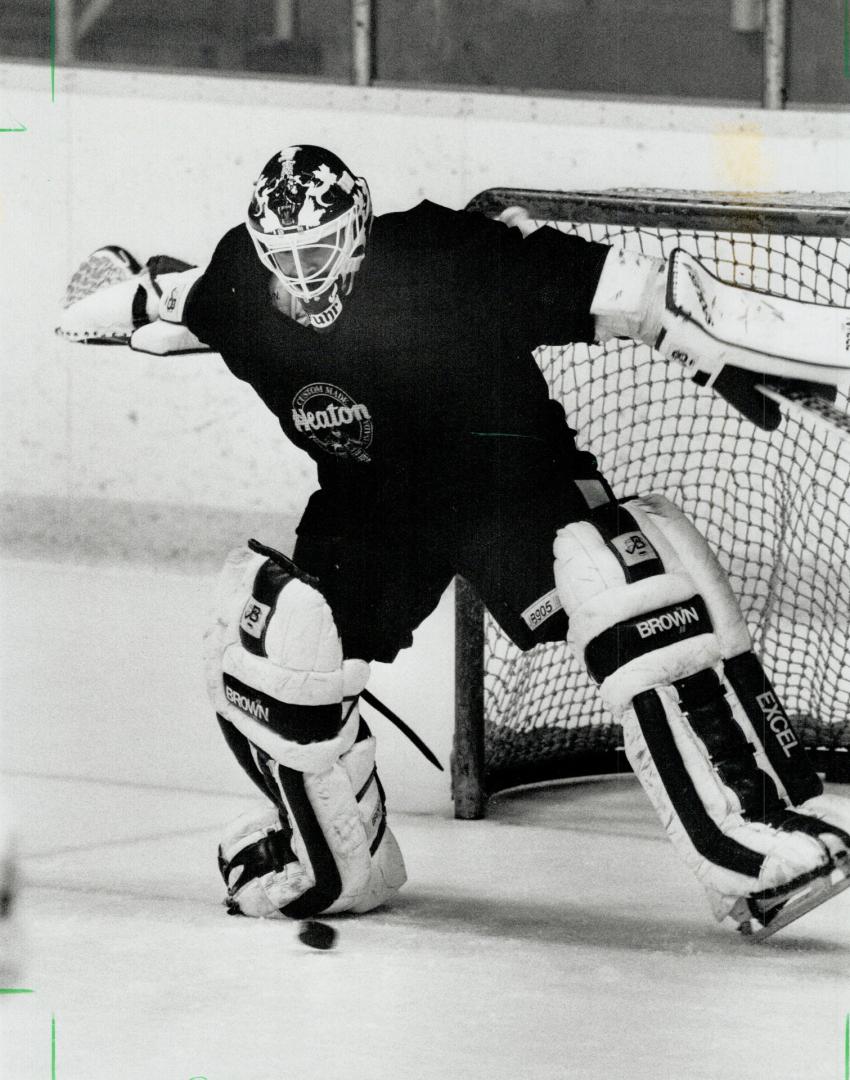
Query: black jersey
[(424, 392)]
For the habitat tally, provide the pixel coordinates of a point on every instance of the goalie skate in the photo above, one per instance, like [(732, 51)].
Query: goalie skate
[(760, 916)]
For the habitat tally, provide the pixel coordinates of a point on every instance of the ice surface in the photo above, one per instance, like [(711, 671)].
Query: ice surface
[(561, 938)]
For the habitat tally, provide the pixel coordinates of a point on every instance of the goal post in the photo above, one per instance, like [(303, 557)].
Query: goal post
[(775, 507)]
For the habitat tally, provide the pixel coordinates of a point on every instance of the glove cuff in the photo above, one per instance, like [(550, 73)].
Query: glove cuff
[(175, 289), (165, 339), (629, 297)]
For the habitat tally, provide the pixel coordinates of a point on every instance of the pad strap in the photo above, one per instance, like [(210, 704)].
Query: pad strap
[(174, 289)]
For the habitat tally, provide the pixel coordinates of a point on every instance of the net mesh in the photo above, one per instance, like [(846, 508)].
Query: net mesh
[(774, 507)]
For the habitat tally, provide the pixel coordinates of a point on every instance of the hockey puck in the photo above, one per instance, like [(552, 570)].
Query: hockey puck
[(317, 935)]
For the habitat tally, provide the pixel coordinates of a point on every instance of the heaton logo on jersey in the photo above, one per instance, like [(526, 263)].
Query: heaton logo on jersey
[(333, 420)]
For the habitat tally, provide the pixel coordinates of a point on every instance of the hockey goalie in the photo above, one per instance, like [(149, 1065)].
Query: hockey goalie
[(397, 352)]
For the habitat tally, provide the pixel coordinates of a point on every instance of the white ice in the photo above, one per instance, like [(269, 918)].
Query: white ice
[(560, 938)]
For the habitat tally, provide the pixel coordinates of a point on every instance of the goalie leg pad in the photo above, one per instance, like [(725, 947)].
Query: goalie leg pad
[(274, 665), (775, 852), (387, 872), (277, 676), (759, 708), (637, 619), (259, 868), (327, 850), (680, 543), (755, 705), (659, 667)]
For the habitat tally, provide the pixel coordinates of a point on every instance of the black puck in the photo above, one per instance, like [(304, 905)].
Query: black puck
[(317, 935)]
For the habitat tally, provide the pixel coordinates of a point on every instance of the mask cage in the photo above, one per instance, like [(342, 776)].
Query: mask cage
[(344, 239)]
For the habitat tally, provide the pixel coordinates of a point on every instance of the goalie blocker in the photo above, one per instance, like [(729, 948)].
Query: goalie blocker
[(287, 704), (654, 619), (756, 350)]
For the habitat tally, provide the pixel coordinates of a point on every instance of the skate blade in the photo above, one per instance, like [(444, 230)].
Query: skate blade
[(814, 894)]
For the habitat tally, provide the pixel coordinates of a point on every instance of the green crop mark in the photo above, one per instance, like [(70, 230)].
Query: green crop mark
[(847, 1047)]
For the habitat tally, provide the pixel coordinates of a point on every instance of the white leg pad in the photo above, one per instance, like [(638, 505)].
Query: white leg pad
[(671, 531), (268, 889), (649, 608), (258, 885), (334, 827), (675, 537), (731, 856), (300, 664), (596, 595), (335, 806), (387, 871), (276, 673)]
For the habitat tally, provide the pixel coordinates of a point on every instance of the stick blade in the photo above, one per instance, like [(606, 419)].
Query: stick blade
[(811, 407)]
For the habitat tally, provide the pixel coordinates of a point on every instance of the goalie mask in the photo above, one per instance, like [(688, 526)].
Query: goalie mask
[(309, 218)]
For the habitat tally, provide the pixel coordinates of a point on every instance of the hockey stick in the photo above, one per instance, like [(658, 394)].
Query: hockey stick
[(405, 729)]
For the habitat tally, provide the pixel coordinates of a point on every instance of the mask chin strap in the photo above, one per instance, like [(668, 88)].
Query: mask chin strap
[(325, 309)]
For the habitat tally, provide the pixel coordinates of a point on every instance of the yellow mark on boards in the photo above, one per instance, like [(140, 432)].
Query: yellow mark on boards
[(740, 157)]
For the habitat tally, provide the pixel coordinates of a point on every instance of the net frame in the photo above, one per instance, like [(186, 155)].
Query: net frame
[(812, 233)]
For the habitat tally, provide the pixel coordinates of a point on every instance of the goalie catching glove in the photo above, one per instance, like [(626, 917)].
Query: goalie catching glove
[(112, 300), (752, 348)]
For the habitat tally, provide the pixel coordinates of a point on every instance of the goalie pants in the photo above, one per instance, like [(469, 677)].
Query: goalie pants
[(381, 580)]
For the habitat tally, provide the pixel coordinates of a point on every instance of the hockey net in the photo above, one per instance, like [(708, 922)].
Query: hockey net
[(775, 507)]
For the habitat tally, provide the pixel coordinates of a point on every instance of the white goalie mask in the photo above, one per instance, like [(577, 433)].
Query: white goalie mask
[(309, 219)]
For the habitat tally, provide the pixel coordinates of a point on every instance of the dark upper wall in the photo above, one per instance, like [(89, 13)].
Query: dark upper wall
[(634, 47), (660, 48)]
